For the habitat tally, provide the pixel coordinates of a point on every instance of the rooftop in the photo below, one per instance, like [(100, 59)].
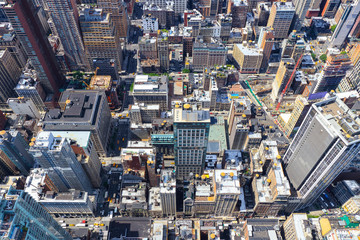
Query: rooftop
[(339, 119), (81, 106), (168, 181), (227, 182), (48, 141), (154, 199), (184, 115), (146, 83), (284, 6), (249, 51), (82, 138)]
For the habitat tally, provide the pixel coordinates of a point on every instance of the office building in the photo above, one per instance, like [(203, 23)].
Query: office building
[(28, 28), (330, 8), (29, 87), (301, 106), (65, 17), (346, 189), (24, 106), (11, 42), (271, 190), (334, 71), (301, 8), (84, 149), (354, 76), (133, 199), (148, 47), (163, 53), (199, 196), (41, 182), (280, 19), (225, 21), (119, 15), (23, 218), (162, 137), (191, 132), (10, 72), (56, 155), (248, 56), (82, 111), (238, 136), (168, 192), (227, 187), (255, 228), (178, 5), (283, 76), (297, 226), (238, 10), (151, 90), (352, 206), (165, 16), (326, 142), (208, 55), (150, 24), (70, 204), (345, 24), (142, 113), (266, 43), (262, 13), (14, 151), (99, 35), (106, 67)]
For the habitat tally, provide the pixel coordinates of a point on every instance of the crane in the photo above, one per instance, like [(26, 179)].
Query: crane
[(288, 83), (87, 85)]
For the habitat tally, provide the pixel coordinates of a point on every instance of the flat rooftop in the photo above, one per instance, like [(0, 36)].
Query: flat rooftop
[(181, 115), (145, 83), (284, 6), (249, 51), (82, 138), (227, 182), (340, 119), (80, 107)]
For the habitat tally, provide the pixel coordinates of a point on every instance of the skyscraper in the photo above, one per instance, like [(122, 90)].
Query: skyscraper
[(119, 15), (27, 26), (280, 19), (345, 24), (168, 192), (13, 147), (23, 218), (301, 8), (238, 10), (334, 71), (282, 77), (82, 111), (10, 71), (66, 21), (191, 132), (56, 155), (354, 76), (227, 187), (266, 42), (327, 141), (99, 35), (163, 53)]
